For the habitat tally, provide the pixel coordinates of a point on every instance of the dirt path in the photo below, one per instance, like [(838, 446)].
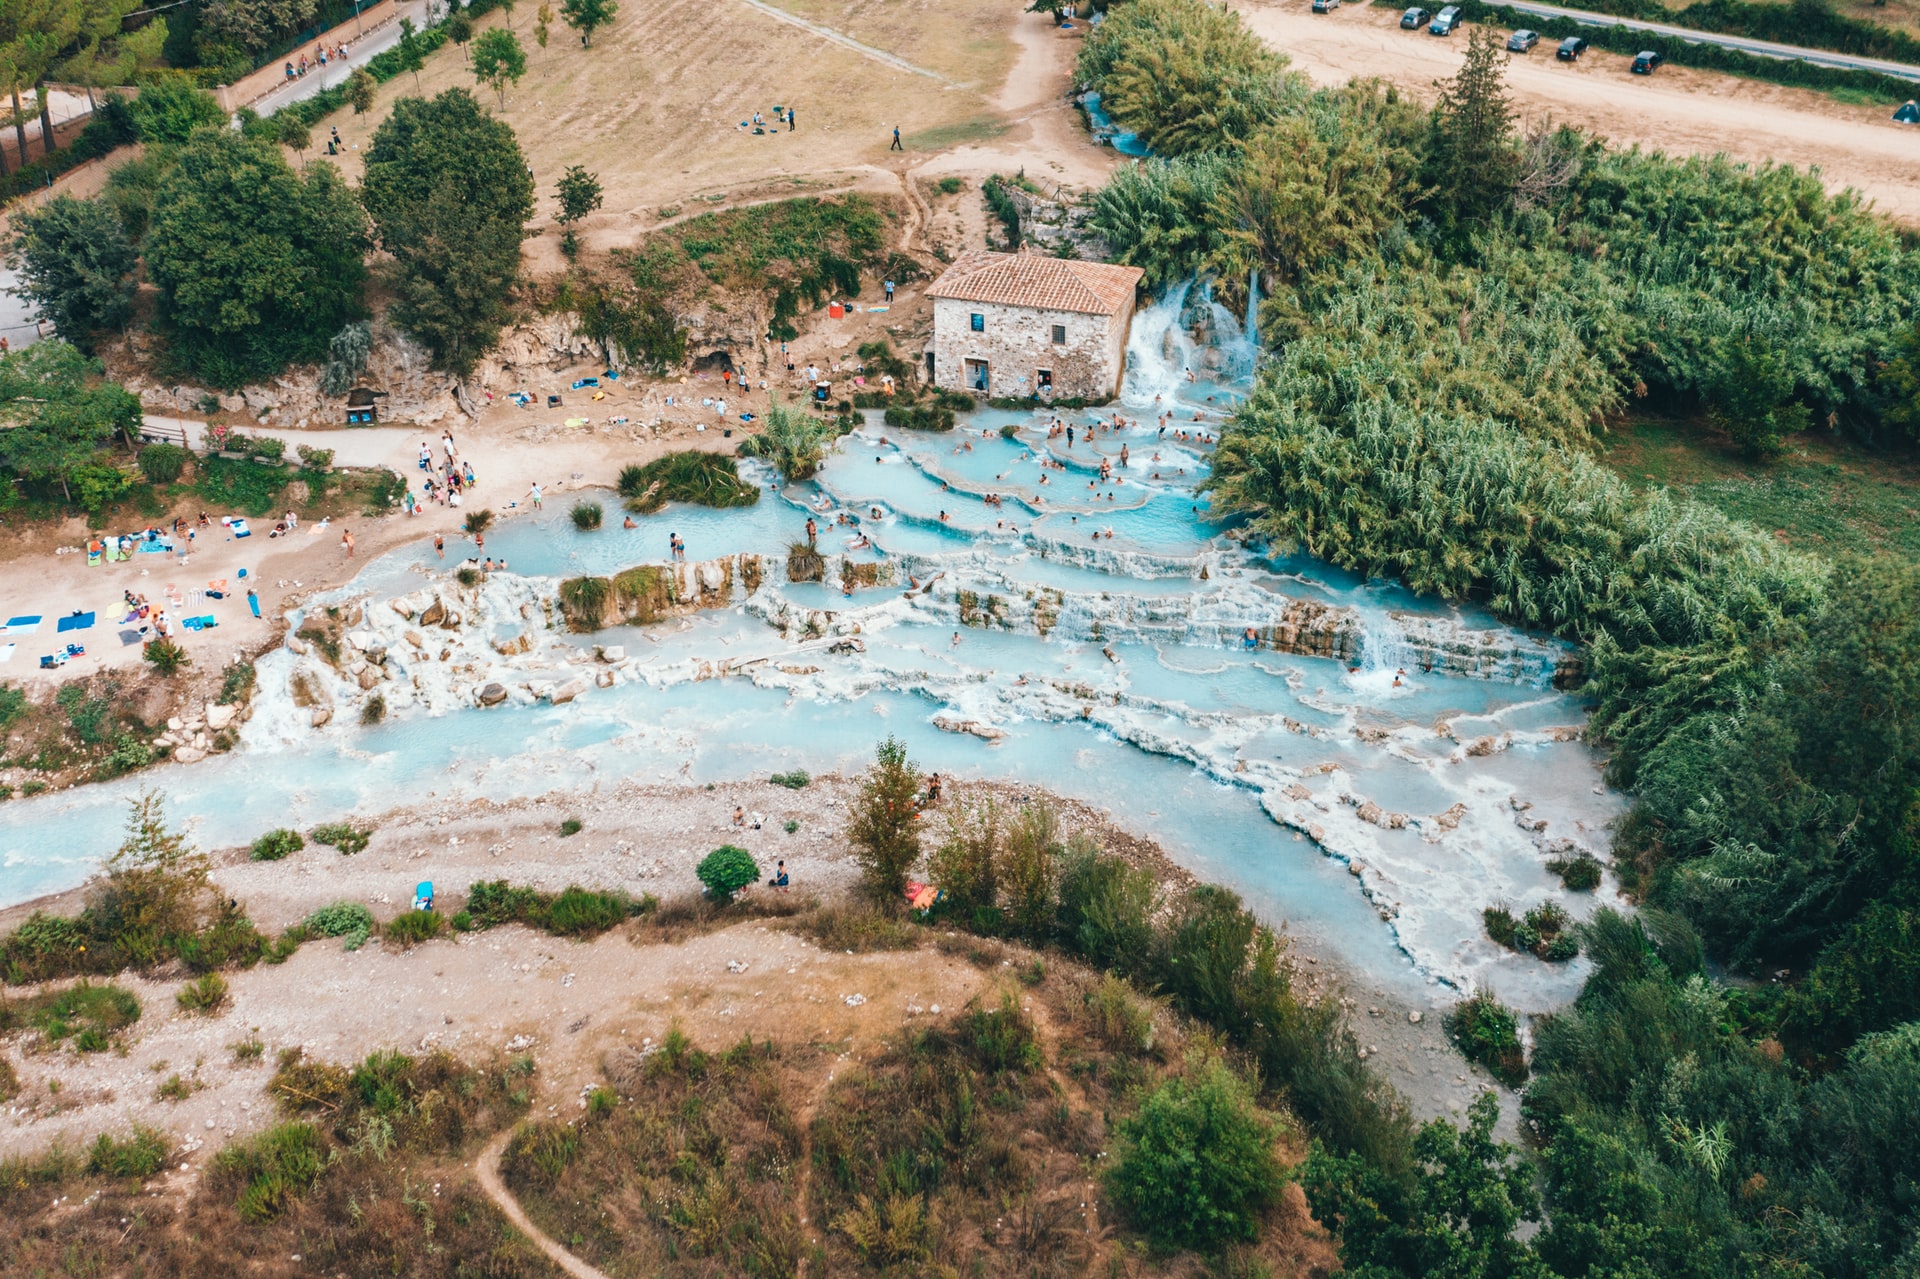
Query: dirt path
[(1679, 111), (487, 1169), (844, 41)]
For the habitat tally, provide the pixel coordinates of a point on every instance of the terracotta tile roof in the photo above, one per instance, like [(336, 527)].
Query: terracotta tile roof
[(1045, 284)]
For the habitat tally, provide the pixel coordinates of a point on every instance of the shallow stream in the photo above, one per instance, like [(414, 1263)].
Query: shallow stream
[(1374, 769)]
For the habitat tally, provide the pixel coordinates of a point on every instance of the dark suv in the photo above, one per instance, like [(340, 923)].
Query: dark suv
[(1645, 61), (1570, 48)]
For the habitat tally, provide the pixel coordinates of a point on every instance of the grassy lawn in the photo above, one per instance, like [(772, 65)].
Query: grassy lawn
[(1824, 494)]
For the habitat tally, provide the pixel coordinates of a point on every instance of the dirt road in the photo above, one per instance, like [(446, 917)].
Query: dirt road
[(1677, 110)]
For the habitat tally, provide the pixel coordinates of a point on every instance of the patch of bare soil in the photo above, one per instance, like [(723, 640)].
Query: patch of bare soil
[(1677, 110)]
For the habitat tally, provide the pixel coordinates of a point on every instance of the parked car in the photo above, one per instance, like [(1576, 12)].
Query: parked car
[(1414, 19), (1645, 61), (1445, 21), (1522, 40), (1325, 6), (1571, 47)]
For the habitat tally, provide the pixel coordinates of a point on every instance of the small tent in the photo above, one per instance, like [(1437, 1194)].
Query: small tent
[(1909, 114)]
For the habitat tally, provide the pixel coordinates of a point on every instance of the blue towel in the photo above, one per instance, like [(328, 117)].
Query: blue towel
[(24, 621), (75, 622)]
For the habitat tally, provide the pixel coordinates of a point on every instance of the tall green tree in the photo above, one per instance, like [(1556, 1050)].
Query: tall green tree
[(1471, 157), (499, 60), (257, 266), (412, 56), (170, 111), (578, 194), (361, 86), (884, 825), (450, 194), (588, 16), (56, 412), (76, 264)]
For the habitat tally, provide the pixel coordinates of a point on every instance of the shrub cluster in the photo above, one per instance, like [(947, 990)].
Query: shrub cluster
[(574, 912)]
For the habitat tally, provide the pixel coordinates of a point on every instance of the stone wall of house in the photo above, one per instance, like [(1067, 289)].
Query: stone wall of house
[(1017, 342)]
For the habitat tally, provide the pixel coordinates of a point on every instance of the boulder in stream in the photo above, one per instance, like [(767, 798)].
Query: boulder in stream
[(492, 694)]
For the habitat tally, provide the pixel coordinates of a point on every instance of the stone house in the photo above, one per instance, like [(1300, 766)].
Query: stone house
[(1017, 324)]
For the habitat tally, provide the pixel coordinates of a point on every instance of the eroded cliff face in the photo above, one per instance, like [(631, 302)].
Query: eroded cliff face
[(531, 356)]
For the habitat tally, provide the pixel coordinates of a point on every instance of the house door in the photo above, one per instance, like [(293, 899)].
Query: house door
[(977, 374)]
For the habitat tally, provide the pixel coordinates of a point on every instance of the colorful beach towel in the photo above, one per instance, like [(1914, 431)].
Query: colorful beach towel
[(23, 625)]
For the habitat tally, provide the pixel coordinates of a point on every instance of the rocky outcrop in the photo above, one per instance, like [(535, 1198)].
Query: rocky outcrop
[(1059, 227), (1313, 629), (649, 592)]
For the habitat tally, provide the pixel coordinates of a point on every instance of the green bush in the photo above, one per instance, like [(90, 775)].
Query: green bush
[(137, 1158), (413, 927), (345, 836), (1581, 874), (275, 844), (345, 919), (1488, 1032), (581, 912), (273, 1169), (374, 710), (586, 515), (162, 463), (1107, 908), (920, 417), (203, 994), (726, 870), (165, 656), (584, 601), (796, 780), (1197, 1168), (569, 827), (703, 479)]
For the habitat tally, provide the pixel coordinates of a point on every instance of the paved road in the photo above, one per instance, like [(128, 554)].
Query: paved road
[(359, 52), (1763, 48)]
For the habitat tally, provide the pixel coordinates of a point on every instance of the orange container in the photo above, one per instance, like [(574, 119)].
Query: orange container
[(835, 310)]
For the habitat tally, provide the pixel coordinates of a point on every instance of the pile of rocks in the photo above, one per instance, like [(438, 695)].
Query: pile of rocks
[(191, 739)]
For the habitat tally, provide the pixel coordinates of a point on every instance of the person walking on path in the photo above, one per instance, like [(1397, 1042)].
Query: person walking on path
[(346, 540), (889, 292), (533, 495), (896, 140), (789, 119)]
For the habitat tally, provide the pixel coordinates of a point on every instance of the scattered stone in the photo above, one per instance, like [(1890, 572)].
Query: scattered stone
[(189, 755), (175, 724), (433, 614), (492, 694), (369, 676), (611, 653), (320, 716), (604, 679), (219, 717), (567, 691), (1415, 1017), (296, 645), (854, 1001)]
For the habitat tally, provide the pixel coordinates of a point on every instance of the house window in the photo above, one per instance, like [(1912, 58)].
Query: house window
[(1059, 335), (1046, 381), (979, 322)]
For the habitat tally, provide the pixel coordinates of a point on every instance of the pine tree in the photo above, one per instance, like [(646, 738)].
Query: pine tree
[(1471, 158)]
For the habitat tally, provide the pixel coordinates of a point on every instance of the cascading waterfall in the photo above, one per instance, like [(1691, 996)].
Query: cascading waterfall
[(1084, 634)]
